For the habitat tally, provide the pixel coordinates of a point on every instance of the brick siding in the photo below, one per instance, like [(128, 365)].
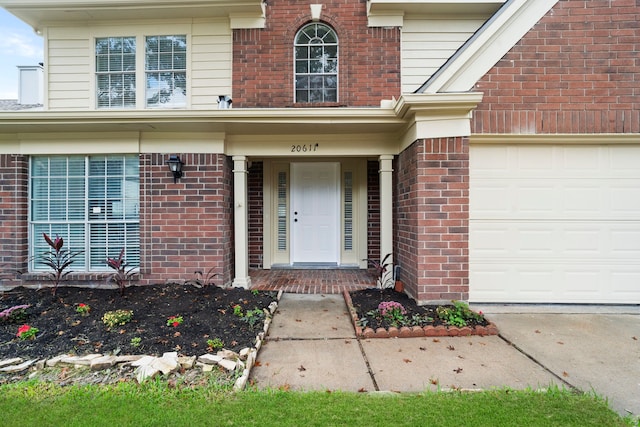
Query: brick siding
[(256, 221), (186, 226), (576, 71), (369, 58), (14, 170), (431, 219)]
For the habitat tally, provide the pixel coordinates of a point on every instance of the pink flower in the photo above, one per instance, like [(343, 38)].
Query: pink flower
[(174, 324)]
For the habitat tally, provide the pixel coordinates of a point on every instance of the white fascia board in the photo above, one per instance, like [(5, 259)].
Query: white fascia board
[(488, 46), (436, 115)]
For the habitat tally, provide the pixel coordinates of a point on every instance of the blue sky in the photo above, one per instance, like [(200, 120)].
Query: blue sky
[(19, 45)]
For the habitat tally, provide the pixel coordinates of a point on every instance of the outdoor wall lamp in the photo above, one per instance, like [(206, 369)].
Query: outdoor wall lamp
[(175, 165)]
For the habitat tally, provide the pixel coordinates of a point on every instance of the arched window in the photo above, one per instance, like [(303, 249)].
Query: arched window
[(316, 64)]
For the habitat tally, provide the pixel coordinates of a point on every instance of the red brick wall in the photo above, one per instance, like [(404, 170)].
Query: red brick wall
[(14, 171), (256, 223), (369, 58), (431, 215), (576, 71), (186, 226)]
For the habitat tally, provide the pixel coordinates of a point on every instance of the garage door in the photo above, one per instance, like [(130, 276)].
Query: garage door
[(555, 224)]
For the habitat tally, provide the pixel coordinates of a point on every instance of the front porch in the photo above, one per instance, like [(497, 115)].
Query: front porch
[(320, 281)]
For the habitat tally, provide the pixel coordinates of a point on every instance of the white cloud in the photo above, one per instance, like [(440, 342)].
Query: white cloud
[(17, 44)]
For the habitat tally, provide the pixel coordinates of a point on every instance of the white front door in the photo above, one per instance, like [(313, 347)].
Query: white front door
[(315, 213)]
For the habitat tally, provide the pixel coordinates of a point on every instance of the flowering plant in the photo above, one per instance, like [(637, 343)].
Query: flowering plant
[(26, 332), (117, 318), (14, 314), (393, 312), (174, 320), (83, 309)]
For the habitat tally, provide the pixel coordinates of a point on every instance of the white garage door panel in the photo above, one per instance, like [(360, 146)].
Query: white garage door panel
[(555, 224)]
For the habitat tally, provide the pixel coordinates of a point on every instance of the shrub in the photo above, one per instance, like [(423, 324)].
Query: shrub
[(121, 275), (59, 260), (117, 318)]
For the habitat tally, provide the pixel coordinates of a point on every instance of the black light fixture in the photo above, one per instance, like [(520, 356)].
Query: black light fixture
[(175, 165)]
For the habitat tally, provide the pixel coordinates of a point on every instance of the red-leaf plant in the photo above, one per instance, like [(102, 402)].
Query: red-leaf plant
[(384, 276), (121, 275), (59, 260)]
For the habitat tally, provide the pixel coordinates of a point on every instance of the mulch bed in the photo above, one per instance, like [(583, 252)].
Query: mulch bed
[(363, 303), (207, 313)]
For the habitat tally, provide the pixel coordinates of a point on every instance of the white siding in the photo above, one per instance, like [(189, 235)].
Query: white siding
[(71, 73), (211, 62), (69, 70), (558, 224), (428, 42)]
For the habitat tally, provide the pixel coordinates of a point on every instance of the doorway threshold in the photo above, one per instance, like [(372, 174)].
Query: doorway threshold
[(314, 266)]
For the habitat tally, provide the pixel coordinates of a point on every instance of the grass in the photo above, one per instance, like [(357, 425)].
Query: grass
[(157, 403)]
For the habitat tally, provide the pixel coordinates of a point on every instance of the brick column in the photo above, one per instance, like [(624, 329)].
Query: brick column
[(432, 219), (14, 170)]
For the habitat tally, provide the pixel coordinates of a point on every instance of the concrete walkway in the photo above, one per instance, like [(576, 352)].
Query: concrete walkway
[(312, 346)]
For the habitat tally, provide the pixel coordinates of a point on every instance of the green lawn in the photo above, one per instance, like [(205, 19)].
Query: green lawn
[(157, 404)]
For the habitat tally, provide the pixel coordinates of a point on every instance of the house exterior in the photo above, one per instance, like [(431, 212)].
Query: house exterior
[(490, 146)]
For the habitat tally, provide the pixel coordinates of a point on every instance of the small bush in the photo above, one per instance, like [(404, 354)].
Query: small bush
[(117, 318)]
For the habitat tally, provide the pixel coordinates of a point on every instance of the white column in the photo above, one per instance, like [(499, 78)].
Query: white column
[(241, 217), (386, 208)]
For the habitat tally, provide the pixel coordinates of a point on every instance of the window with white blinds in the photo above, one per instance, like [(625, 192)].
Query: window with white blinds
[(348, 211), (92, 202)]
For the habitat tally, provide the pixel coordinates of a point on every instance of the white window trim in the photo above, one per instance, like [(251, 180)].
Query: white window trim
[(140, 33)]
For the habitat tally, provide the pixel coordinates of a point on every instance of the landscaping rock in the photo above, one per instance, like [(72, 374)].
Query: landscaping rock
[(17, 368), (210, 359), (103, 362), (7, 362)]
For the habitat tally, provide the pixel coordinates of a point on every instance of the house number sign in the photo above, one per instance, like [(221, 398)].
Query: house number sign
[(305, 148)]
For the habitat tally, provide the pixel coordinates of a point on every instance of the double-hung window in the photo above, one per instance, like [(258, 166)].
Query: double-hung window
[(125, 75), (166, 71), (316, 64), (92, 202), (116, 72)]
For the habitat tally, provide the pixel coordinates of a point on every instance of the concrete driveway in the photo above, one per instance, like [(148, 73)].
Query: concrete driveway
[(312, 345), (591, 348)]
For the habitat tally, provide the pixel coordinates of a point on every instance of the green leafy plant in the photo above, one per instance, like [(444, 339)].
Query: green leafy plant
[(117, 318), (136, 341), (253, 317), (237, 310), (174, 321), (26, 332), (215, 344), (59, 260), (384, 275), (202, 278), (15, 314), (458, 314), (83, 309), (121, 275)]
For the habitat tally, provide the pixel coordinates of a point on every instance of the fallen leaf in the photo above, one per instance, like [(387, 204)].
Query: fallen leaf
[(302, 368), (537, 331), (76, 323), (458, 370), (436, 340), (60, 332), (122, 331), (177, 334), (560, 342), (298, 320), (257, 363), (565, 374), (635, 338), (406, 360), (284, 387), (234, 343), (423, 348), (347, 341), (334, 328), (460, 357), (433, 381), (451, 348), (362, 390)]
